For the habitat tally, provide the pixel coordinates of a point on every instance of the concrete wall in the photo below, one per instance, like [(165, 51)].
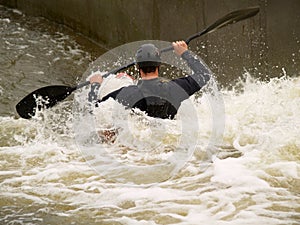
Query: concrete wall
[(262, 45)]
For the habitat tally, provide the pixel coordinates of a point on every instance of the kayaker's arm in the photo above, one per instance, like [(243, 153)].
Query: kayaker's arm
[(201, 73), (113, 95), (95, 81), (93, 94), (200, 77), (127, 98)]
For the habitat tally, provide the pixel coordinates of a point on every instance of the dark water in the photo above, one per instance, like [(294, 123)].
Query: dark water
[(36, 53)]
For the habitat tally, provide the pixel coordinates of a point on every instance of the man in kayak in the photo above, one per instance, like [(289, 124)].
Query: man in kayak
[(157, 96)]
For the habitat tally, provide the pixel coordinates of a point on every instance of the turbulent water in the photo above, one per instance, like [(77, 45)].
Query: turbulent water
[(250, 177)]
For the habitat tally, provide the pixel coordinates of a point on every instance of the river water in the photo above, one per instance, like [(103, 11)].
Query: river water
[(252, 177)]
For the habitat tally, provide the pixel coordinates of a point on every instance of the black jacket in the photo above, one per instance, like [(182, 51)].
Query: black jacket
[(162, 98)]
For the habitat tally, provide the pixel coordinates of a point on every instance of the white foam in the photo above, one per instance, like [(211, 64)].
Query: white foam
[(17, 11), (6, 20), (257, 186)]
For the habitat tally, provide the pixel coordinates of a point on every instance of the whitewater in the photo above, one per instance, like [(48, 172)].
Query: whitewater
[(250, 176)]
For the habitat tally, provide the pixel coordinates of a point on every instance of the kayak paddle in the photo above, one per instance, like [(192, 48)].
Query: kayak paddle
[(53, 94)]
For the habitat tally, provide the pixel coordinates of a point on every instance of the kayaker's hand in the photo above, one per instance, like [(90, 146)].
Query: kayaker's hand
[(180, 47), (97, 78)]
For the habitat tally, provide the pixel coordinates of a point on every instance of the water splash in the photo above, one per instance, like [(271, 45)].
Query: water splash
[(50, 177)]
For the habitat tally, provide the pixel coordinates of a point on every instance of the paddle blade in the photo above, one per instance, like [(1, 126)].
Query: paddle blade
[(42, 98), (230, 18), (233, 17)]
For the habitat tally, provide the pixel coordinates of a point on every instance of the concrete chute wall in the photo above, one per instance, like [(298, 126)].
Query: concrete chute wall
[(267, 45)]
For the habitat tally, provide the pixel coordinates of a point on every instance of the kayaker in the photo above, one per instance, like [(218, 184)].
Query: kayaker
[(152, 94)]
